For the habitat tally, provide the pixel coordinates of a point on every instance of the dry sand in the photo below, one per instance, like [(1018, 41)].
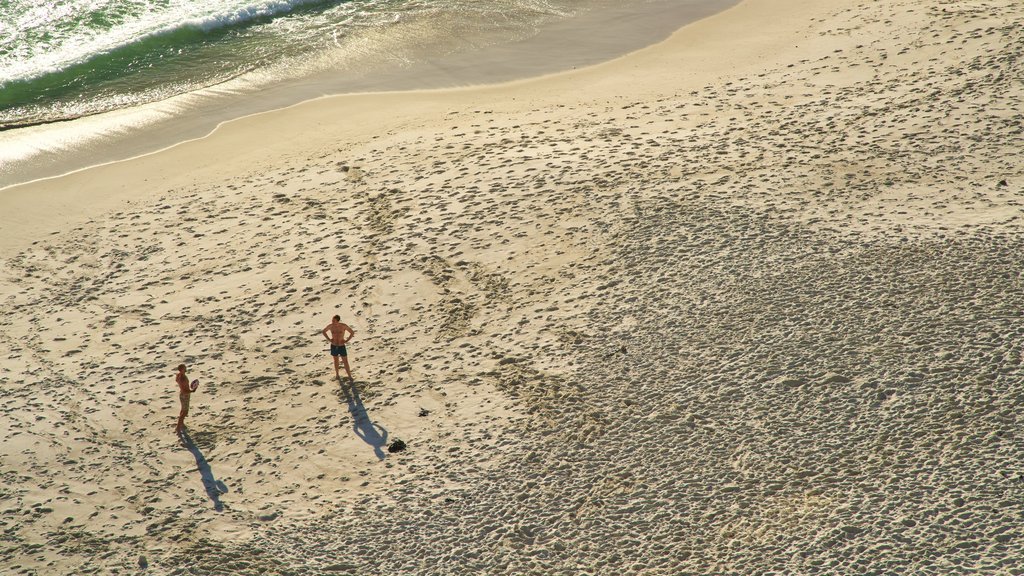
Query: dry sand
[(746, 302)]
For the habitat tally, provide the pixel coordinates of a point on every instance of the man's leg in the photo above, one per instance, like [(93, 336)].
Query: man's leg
[(182, 414), (337, 368), (344, 360)]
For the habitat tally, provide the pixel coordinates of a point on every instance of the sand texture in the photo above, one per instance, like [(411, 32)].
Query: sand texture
[(693, 311)]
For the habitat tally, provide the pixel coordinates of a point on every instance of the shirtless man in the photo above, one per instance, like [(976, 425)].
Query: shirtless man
[(337, 338), (185, 391)]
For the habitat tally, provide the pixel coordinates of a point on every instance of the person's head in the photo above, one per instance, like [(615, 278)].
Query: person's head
[(337, 318), (181, 367)]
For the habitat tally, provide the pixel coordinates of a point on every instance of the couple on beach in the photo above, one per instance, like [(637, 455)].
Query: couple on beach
[(337, 333)]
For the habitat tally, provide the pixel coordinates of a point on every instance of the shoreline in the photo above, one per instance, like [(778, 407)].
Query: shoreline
[(698, 52), (53, 149)]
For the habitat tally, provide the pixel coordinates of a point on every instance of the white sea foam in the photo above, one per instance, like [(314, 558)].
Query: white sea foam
[(42, 39)]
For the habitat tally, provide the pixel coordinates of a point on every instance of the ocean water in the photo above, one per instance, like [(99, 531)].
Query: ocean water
[(62, 59)]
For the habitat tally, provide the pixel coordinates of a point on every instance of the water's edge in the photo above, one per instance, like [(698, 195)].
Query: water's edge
[(50, 150)]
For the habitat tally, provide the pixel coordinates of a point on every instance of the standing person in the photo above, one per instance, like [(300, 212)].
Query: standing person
[(185, 391), (337, 338)]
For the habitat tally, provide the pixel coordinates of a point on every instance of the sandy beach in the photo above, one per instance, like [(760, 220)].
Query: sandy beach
[(748, 301)]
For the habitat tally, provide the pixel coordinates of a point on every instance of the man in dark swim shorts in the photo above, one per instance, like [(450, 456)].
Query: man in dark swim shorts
[(335, 333)]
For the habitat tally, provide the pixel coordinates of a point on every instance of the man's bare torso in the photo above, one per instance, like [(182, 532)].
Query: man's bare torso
[(337, 330)]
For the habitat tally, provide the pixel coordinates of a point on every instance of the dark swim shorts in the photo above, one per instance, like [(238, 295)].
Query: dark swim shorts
[(338, 350)]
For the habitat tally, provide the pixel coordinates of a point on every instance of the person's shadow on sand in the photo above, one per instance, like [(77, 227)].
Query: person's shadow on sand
[(373, 434), (214, 488)]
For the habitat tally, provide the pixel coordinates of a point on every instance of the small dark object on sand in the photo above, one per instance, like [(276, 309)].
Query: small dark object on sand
[(396, 446)]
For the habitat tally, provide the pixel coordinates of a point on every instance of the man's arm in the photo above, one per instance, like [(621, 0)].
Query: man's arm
[(351, 333), (325, 332)]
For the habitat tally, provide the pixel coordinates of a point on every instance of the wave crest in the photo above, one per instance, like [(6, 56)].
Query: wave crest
[(27, 58)]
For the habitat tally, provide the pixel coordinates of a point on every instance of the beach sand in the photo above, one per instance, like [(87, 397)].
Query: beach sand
[(748, 301)]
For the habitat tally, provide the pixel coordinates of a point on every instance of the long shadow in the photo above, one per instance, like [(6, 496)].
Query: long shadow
[(373, 434), (214, 488)]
